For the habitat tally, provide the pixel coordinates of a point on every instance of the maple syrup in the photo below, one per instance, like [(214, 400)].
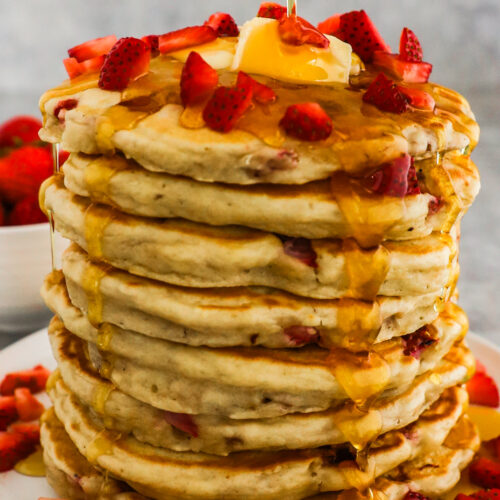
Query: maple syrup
[(97, 219), (358, 426), (91, 283), (98, 174), (101, 445), (104, 336), (32, 466), (101, 396)]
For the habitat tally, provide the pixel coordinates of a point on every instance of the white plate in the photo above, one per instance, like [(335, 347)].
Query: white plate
[(35, 349)]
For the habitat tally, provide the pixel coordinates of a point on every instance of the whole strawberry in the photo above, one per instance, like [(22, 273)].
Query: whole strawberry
[(26, 211), (19, 130)]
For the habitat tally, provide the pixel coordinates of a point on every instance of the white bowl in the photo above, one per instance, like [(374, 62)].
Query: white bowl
[(25, 259)]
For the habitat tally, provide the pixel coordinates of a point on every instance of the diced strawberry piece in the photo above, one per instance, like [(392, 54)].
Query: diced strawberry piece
[(185, 38), (307, 121), (23, 171), (412, 72), (418, 98), (152, 42), (385, 94), (127, 60), (435, 205), (8, 411), (13, 448), (413, 185), (494, 445), (63, 106), (483, 390), (485, 473), (92, 48), (34, 379), (295, 30), (301, 249), (301, 335), (271, 10), (357, 29), (414, 495), (409, 47), (183, 422), (19, 130), (261, 93), (493, 494), (331, 25), (28, 407), (223, 24), (198, 80), (25, 212), (226, 107), (31, 432), (417, 342), (63, 156), (462, 496), (74, 68)]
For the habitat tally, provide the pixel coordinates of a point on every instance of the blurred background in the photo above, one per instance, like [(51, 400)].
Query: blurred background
[(460, 37)]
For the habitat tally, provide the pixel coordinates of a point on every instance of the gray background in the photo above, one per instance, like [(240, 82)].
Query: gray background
[(460, 37)]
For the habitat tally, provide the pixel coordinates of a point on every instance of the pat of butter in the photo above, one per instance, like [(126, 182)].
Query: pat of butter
[(219, 53), (261, 51)]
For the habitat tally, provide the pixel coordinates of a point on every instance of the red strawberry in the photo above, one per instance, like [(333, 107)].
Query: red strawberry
[(127, 60), (331, 25), (22, 172), (418, 98), (307, 121), (294, 30), (18, 130), (28, 407), (494, 445), (301, 335), (261, 93), (412, 72), (483, 390), (31, 432), (152, 42), (74, 68), (271, 10), (226, 107), (198, 80), (92, 48), (357, 29), (63, 106), (63, 156), (2, 214), (384, 94), (301, 249), (25, 212), (34, 379), (13, 448), (416, 343), (8, 412), (413, 495), (185, 38), (223, 24), (493, 494), (409, 47), (435, 205), (485, 473), (182, 421)]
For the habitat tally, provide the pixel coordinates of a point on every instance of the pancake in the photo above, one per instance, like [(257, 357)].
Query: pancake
[(313, 210), (184, 253), (220, 317)]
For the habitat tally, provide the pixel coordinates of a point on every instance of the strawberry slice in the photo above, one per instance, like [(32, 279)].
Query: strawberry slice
[(493, 494), (223, 24), (418, 98), (414, 495), (19, 130), (28, 407), (409, 47), (485, 473), (34, 379), (271, 10), (301, 249), (261, 93), (483, 390), (226, 107), (74, 68), (295, 30), (127, 60), (152, 42), (63, 106), (412, 72), (198, 80), (494, 446), (183, 422), (301, 335), (307, 121), (25, 212), (357, 29), (417, 342), (385, 94), (13, 448), (92, 48), (185, 38), (31, 432), (8, 411)]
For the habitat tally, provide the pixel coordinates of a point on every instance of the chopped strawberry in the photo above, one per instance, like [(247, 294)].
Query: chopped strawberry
[(63, 156), (485, 473), (414, 495), (25, 212), (198, 80), (494, 446), (63, 106), (19, 130), (357, 29), (127, 60), (74, 68), (23, 171), (307, 121), (493, 494), (271, 10), (385, 94), (301, 249), (412, 72), (301, 335), (261, 93), (34, 379), (28, 407), (185, 38), (13, 448), (417, 342), (183, 422), (418, 98), (152, 42), (295, 30), (435, 205), (92, 48), (409, 47), (226, 107), (223, 24), (483, 390), (31, 432), (8, 411)]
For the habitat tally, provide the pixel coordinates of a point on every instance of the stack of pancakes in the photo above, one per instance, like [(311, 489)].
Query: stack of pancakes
[(237, 318)]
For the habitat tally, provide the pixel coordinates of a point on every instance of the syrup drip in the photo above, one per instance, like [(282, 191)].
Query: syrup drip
[(97, 219), (101, 395), (104, 336), (98, 175), (55, 157), (101, 445), (356, 478), (291, 7), (91, 284), (50, 215), (52, 380), (32, 465), (359, 427)]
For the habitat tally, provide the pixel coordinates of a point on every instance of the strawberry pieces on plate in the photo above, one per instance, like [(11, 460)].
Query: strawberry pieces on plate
[(19, 130), (183, 422), (26, 211), (493, 494), (301, 249), (34, 380), (307, 121), (186, 38), (30, 431), (271, 10), (385, 95), (415, 495), (483, 390), (8, 411), (409, 47), (485, 473), (224, 24), (301, 335), (198, 80), (13, 448), (92, 48), (295, 30), (28, 407), (261, 93)]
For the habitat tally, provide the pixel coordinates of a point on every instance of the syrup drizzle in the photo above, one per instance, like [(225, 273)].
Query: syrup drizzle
[(91, 283)]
